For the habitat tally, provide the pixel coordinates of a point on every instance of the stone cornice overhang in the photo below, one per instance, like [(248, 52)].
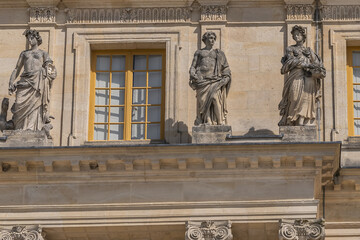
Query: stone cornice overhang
[(165, 159), (272, 164)]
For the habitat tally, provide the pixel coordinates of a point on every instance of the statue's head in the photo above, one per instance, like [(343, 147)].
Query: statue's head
[(209, 36), (33, 34), (298, 33)]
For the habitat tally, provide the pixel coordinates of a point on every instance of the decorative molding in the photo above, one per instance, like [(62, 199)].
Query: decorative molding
[(341, 12), (213, 12), (43, 14), (219, 230), (129, 15), (302, 229), (21, 233), (299, 12)]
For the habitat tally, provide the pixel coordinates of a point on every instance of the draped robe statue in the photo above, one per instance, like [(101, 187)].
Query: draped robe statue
[(30, 111), (210, 76), (304, 70)]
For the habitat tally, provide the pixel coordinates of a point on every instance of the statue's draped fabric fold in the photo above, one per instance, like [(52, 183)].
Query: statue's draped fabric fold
[(301, 87), (213, 90)]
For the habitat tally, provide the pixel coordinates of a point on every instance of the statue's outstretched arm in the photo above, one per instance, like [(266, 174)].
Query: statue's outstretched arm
[(15, 74)]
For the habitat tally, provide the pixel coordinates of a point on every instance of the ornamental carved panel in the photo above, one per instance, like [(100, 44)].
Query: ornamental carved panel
[(208, 230), (299, 11), (341, 12), (302, 229), (129, 15), (21, 233), (213, 12), (42, 14)]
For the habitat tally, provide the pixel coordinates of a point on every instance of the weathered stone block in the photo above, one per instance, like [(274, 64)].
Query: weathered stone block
[(298, 133), (210, 133), (25, 138)]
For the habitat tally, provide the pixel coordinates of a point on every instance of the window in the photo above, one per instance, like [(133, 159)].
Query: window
[(127, 95), (353, 75)]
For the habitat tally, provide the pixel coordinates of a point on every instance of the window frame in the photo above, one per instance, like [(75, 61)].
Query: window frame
[(129, 54), (350, 86)]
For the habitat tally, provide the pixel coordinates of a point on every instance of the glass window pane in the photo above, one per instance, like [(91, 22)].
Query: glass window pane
[(117, 114), (101, 114), (155, 79), (139, 96), (116, 132), (101, 97), (100, 132), (117, 97), (118, 63), (154, 96), (154, 113), (102, 80), (140, 62), (357, 127), (357, 109), (356, 92), (155, 62), (356, 58), (139, 79), (138, 114), (118, 79), (153, 131), (138, 131), (103, 63)]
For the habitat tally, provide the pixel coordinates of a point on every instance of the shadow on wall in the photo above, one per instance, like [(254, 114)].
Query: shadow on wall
[(179, 131), (261, 132)]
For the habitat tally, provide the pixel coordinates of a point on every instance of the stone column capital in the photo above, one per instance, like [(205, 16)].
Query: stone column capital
[(302, 229), (208, 230), (21, 232)]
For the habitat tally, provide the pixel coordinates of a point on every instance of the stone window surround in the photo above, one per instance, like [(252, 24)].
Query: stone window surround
[(82, 41), (340, 37)]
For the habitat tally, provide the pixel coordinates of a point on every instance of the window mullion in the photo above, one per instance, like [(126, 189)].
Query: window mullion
[(128, 94)]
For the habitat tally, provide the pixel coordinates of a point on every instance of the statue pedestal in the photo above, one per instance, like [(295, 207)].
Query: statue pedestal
[(210, 133), (24, 138), (298, 133)]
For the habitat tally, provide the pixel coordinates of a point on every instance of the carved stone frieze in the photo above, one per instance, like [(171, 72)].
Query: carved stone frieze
[(341, 12), (302, 229), (42, 14), (213, 12), (299, 11), (21, 233), (129, 15), (208, 230)]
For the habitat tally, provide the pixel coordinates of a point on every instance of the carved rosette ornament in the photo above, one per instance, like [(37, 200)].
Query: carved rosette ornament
[(42, 14), (21, 233), (208, 230), (302, 229)]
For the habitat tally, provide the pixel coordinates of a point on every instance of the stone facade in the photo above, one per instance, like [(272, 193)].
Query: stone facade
[(241, 187)]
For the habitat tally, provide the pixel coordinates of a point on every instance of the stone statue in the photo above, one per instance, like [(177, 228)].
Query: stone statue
[(210, 76), (304, 71), (31, 108)]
